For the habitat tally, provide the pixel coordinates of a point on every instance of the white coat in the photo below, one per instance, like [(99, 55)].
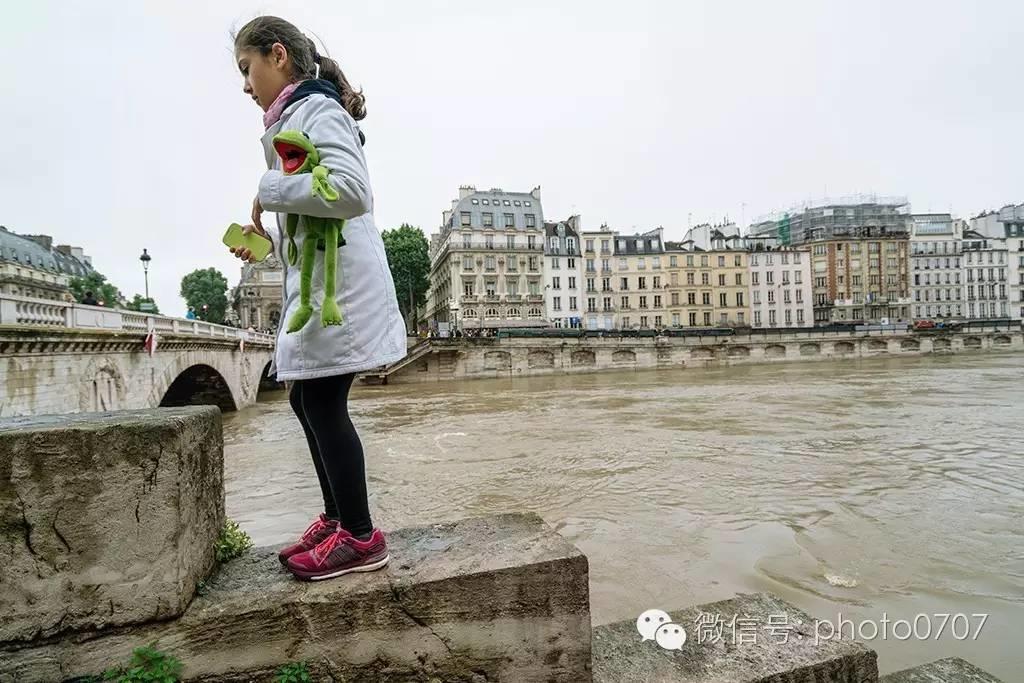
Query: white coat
[(373, 332)]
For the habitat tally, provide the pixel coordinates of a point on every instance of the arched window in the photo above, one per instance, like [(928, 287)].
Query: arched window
[(470, 313), (535, 313), (514, 313), (491, 313)]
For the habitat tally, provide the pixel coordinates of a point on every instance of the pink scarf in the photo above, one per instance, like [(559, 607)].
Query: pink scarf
[(273, 113)]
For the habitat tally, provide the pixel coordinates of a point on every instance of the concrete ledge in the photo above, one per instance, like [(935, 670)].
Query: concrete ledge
[(949, 670), (621, 655), (106, 519), (485, 599)]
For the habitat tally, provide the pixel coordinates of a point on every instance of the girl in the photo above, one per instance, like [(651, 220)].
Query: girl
[(301, 90)]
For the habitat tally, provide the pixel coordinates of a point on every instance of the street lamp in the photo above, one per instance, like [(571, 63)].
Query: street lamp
[(146, 258)]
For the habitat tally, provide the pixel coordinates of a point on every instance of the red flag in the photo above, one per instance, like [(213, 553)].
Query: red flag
[(150, 343)]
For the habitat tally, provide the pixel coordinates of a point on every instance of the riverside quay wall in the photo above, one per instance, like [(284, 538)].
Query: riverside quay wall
[(496, 357)]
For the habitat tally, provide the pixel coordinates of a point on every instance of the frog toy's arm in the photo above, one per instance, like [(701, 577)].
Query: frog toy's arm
[(298, 155)]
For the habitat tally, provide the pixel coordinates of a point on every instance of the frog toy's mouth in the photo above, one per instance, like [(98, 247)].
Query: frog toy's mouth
[(292, 156)]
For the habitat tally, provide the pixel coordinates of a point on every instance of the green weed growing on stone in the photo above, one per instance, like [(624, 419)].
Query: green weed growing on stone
[(148, 665), (294, 672), (232, 542)]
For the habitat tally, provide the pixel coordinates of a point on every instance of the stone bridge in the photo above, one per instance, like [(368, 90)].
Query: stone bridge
[(57, 357)]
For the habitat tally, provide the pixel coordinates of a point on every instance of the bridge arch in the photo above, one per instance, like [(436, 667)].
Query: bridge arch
[(199, 385)]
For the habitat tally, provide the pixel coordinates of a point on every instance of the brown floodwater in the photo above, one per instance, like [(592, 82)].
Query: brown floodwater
[(853, 489)]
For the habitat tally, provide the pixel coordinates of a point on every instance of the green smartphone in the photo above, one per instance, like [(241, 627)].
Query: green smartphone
[(259, 245)]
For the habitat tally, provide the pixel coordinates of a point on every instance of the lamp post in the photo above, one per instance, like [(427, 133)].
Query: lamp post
[(146, 258)]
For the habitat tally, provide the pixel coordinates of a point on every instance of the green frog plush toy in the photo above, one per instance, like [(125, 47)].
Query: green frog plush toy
[(298, 155)]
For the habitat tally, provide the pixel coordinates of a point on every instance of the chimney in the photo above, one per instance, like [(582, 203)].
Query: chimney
[(63, 249), (535, 193), (45, 241), (465, 191)]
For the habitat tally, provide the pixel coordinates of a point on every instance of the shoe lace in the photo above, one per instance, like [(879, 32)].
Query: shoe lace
[(324, 547), (316, 527)]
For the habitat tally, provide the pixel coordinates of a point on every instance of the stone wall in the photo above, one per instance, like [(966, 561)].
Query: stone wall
[(524, 357), (106, 519)]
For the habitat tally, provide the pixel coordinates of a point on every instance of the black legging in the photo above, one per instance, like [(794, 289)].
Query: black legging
[(322, 407)]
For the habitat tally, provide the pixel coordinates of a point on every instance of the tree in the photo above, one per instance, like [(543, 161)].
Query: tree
[(206, 287), (409, 260), (97, 284), (136, 304)]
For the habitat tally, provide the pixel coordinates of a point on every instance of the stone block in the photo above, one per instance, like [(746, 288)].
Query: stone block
[(620, 654), (106, 519), (948, 670), (484, 599)]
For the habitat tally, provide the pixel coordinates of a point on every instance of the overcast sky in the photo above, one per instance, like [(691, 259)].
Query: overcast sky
[(125, 125)]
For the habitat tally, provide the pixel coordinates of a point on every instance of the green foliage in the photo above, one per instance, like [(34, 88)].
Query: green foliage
[(97, 284), (136, 304), (207, 287), (148, 665), (295, 672), (408, 257), (232, 542)]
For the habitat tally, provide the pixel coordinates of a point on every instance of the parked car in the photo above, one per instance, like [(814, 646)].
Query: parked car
[(924, 324)]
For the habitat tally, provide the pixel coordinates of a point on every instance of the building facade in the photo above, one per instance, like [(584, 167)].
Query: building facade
[(986, 276), (861, 279), (640, 278), (487, 262), (599, 301), (690, 289), (1012, 219), (563, 273), (781, 293), (936, 283), (826, 219), (730, 281), (257, 297), (31, 266)]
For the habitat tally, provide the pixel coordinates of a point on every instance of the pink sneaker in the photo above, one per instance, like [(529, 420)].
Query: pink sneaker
[(320, 529), (341, 553)]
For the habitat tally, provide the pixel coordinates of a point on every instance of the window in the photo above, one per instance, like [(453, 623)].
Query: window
[(771, 316), (819, 249), (590, 265), (605, 248), (556, 283), (572, 264), (643, 302), (769, 278), (607, 301), (512, 263), (572, 283), (533, 263), (785, 296), (465, 219), (467, 263), (722, 299), (691, 299), (531, 220), (625, 322), (675, 279), (721, 262), (706, 298), (754, 279), (488, 219), (797, 279), (512, 288), (739, 279), (535, 313), (789, 317), (707, 318), (796, 257), (624, 284), (572, 303), (590, 245), (799, 316), (486, 202), (657, 301), (693, 320), (757, 318), (799, 296), (705, 279), (642, 282), (606, 284), (739, 299), (624, 301), (556, 303), (554, 242), (467, 288), (673, 262), (531, 241), (689, 278), (510, 241), (466, 241), (641, 263), (675, 298), (675, 320), (656, 262), (606, 265), (721, 279), (657, 282), (476, 201), (489, 263), (510, 221), (554, 263), (757, 297), (643, 321), (657, 321), (506, 203), (489, 241), (704, 261), (534, 287), (689, 261), (856, 281), (491, 288), (622, 264), (771, 296), (570, 244), (737, 260)]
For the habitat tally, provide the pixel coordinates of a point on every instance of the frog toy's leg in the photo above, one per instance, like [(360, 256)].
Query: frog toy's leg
[(291, 227), (330, 314), (305, 309)]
